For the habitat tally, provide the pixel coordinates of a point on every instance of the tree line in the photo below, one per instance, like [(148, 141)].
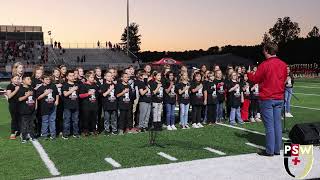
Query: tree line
[(293, 48)]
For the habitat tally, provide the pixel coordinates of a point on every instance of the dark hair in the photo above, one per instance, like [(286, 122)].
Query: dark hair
[(271, 48), (88, 74), (195, 74), (168, 74), (141, 73), (26, 76), (69, 71), (46, 76)]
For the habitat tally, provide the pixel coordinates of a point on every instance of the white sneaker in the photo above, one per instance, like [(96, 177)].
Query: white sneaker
[(258, 115), (258, 120), (252, 120), (169, 128), (187, 126), (289, 115), (194, 125), (184, 127), (200, 125), (173, 127)]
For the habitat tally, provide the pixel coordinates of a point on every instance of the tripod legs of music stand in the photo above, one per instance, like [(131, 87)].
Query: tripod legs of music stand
[(152, 138)]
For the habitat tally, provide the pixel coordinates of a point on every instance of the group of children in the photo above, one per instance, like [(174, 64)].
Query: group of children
[(74, 103)]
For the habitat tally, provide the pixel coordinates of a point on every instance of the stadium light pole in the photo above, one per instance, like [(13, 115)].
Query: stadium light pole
[(128, 27)]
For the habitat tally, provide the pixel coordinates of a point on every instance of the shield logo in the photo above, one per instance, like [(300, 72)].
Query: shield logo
[(298, 159)]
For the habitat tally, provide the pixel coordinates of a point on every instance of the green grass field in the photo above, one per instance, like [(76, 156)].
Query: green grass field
[(85, 155)]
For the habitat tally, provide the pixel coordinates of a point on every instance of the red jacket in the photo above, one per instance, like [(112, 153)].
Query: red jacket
[(271, 76)]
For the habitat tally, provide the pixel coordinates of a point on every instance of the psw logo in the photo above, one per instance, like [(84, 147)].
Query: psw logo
[(295, 154)]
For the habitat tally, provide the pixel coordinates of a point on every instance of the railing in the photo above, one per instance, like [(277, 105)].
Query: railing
[(85, 45)]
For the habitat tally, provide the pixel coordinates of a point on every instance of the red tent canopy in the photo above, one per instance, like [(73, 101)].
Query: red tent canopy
[(165, 61)]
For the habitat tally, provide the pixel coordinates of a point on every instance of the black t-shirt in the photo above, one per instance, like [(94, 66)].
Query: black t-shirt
[(47, 103), (99, 81), (221, 86), (255, 91), (183, 98), (71, 101), (124, 101), (110, 101), (235, 96), (289, 81), (169, 98), (12, 87), (211, 88), (158, 96), (246, 89), (132, 84), (56, 83), (147, 96), (91, 101), (35, 83), (26, 107), (196, 97)]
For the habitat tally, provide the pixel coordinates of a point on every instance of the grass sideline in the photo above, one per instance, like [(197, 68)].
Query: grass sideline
[(85, 155)]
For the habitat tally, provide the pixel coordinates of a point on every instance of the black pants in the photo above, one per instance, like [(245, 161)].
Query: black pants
[(59, 118), (100, 121), (89, 119), (38, 122), (27, 126), (196, 113), (254, 107), (211, 113), (15, 119), (125, 119)]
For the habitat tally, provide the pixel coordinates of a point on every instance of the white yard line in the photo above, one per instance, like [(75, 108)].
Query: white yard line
[(247, 130), (215, 151), (113, 162), (45, 158), (307, 94), (219, 168), (302, 107), (256, 146), (167, 156), (308, 87)]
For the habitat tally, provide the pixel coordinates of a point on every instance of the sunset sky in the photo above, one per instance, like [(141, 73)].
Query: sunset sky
[(173, 25)]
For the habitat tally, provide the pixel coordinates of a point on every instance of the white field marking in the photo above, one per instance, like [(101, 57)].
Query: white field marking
[(45, 158), (307, 94), (302, 107), (308, 87), (247, 130), (167, 156), (113, 162), (256, 146), (215, 151)]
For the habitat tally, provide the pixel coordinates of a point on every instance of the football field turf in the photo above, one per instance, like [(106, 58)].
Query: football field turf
[(87, 154)]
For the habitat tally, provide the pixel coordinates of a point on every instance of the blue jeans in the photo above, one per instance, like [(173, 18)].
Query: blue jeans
[(205, 114), (170, 110), (49, 123), (110, 119), (184, 110), (235, 113), (68, 117), (219, 110), (288, 95), (271, 115)]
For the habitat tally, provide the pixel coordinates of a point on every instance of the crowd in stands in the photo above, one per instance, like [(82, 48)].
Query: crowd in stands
[(73, 103), (30, 52), (305, 70)]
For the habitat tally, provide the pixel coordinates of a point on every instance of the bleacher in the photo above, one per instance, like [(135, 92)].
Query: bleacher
[(102, 57)]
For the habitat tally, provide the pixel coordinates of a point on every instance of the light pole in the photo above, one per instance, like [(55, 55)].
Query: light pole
[(128, 27), (49, 33)]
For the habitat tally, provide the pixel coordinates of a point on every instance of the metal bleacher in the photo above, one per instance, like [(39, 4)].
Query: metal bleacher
[(93, 57)]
